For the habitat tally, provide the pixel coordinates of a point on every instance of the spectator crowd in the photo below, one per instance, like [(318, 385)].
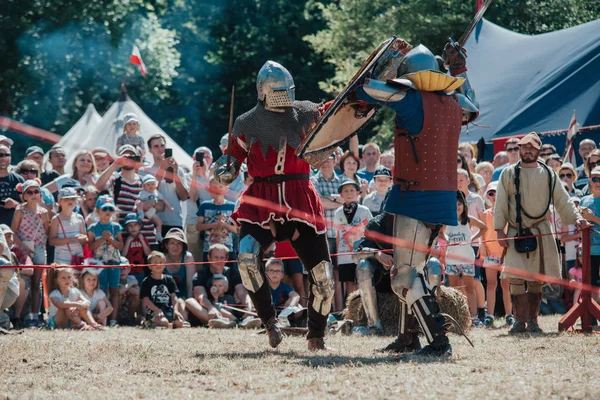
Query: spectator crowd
[(150, 242)]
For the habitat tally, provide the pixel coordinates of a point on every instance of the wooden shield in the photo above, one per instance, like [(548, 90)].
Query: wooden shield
[(346, 117)]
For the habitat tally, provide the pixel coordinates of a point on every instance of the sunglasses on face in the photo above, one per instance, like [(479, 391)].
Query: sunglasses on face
[(491, 193), (2, 155), (595, 179), (274, 271), (105, 209), (546, 154), (29, 171), (512, 149), (569, 175), (593, 164), (36, 191)]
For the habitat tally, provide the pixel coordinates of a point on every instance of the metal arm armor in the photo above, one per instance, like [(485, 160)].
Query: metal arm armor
[(465, 95), (224, 175)]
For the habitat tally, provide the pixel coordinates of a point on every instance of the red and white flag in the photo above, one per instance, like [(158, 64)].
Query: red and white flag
[(136, 58), (569, 150)]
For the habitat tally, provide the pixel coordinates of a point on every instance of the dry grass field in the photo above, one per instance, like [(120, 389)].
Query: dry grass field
[(202, 363)]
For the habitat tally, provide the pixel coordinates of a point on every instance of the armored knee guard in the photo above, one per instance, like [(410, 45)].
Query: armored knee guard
[(249, 264), (364, 276), (322, 287), (433, 271)]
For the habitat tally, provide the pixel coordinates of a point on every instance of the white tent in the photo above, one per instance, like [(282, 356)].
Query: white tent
[(111, 127), (71, 141)]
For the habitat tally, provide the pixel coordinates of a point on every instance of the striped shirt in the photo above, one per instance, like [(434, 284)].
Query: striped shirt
[(125, 202), (327, 188)]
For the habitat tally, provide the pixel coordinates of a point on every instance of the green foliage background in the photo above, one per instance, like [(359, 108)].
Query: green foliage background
[(60, 55)]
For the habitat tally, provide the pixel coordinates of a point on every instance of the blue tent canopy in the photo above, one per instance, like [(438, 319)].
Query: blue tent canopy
[(533, 83)]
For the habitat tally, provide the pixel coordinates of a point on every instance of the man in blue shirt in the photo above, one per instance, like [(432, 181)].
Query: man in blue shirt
[(370, 156)]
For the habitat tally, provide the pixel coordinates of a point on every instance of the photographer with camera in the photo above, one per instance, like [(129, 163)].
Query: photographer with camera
[(198, 180), (171, 182), (124, 183), (523, 198)]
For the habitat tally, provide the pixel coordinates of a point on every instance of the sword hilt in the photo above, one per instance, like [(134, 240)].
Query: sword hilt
[(457, 47)]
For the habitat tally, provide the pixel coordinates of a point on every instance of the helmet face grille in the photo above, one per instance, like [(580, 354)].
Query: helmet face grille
[(280, 98)]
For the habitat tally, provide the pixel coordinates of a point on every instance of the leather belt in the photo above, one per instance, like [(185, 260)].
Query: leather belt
[(282, 178)]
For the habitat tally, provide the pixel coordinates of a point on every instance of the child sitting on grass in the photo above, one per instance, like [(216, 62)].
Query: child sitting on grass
[(283, 295), (129, 290), (68, 308), (159, 295), (218, 291), (100, 308)]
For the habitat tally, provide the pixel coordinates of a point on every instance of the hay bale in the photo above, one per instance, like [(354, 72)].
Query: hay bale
[(454, 303), (451, 301)]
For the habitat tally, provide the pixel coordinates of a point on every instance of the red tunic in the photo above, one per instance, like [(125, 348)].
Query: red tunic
[(294, 200)]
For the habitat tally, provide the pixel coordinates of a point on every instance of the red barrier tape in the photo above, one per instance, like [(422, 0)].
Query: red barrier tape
[(311, 219)]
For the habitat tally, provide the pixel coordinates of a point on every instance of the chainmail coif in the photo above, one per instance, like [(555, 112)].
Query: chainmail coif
[(273, 129)]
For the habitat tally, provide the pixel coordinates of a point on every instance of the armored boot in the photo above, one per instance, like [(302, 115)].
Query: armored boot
[(274, 332), (408, 338), (316, 344), (432, 323), (533, 309), (520, 311)]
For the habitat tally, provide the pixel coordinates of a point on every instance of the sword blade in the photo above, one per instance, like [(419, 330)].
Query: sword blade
[(463, 39), (230, 136)]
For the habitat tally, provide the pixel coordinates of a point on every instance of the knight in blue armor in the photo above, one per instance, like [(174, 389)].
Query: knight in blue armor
[(430, 108)]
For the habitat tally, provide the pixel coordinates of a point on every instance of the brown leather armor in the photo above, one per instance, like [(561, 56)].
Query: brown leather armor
[(427, 161)]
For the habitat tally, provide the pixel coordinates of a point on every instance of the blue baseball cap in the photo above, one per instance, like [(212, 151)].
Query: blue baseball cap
[(105, 202), (67, 193), (131, 217)]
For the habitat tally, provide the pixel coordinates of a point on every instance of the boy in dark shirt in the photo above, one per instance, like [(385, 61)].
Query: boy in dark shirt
[(159, 295)]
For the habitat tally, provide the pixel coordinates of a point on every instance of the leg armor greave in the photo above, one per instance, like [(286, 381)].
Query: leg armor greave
[(428, 313), (322, 287), (364, 275), (249, 264), (411, 254)]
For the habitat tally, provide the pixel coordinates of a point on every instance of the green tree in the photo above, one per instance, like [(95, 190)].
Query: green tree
[(63, 55), (251, 32), (355, 28)]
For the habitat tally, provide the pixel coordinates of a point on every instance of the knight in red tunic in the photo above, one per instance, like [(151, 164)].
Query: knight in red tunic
[(282, 203)]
